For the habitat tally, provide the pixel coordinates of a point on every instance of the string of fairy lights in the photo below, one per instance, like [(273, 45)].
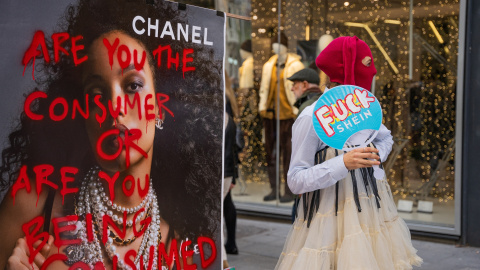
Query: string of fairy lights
[(419, 111)]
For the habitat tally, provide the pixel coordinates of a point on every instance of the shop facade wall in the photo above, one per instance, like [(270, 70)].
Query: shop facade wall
[(471, 130)]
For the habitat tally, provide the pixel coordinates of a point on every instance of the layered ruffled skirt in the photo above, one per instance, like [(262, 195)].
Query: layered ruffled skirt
[(348, 232)]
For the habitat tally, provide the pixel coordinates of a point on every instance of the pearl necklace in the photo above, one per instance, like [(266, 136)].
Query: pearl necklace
[(119, 210), (92, 199)]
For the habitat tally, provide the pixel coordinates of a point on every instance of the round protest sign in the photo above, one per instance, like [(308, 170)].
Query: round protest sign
[(347, 117)]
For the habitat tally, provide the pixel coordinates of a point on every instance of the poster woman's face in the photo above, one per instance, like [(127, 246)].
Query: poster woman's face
[(112, 83)]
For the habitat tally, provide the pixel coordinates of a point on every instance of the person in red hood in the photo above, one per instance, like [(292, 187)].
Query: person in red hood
[(348, 60), (347, 218)]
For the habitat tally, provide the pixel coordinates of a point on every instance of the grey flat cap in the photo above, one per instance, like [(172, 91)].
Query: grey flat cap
[(306, 74)]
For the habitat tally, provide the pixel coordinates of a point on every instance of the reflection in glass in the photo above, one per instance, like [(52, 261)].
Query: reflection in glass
[(415, 83)]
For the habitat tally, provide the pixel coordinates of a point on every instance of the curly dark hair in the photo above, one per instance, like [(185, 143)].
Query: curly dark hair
[(187, 160)]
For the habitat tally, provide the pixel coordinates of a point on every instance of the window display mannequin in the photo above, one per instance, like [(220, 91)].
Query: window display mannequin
[(246, 94), (249, 121), (288, 63), (245, 72)]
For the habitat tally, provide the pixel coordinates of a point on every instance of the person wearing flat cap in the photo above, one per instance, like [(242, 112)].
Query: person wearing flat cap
[(346, 217), (305, 88)]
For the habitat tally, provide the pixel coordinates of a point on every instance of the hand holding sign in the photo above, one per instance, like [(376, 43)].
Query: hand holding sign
[(348, 117), (361, 158)]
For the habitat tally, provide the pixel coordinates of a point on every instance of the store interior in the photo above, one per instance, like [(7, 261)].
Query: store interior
[(414, 46)]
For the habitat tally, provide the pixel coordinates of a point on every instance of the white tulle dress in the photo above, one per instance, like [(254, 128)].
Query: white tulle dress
[(340, 237)]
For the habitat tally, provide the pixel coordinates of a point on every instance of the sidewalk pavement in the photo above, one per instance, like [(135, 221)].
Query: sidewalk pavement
[(260, 242)]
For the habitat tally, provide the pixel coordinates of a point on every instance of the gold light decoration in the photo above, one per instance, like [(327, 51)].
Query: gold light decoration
[(419, 112)]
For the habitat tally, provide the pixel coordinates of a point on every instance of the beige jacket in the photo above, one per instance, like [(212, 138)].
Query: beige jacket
[(246, 74), (292, 65)]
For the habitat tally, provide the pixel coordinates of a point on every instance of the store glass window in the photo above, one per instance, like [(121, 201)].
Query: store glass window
[(415, 49)]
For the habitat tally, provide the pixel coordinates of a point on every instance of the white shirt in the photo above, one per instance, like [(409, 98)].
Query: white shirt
[(303, 175)]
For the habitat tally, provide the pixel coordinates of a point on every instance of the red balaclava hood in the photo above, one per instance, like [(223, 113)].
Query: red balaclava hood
[(348, 60)]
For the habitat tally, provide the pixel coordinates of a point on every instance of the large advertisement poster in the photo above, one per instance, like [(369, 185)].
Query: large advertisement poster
[(112, 123)]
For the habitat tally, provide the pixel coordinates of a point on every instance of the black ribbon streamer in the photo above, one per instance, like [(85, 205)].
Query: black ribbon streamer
[(311, 200), (355, 190), (336, 198)]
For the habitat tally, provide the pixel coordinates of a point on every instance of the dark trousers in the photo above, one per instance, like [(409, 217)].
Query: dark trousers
[(230, 215), (270, 126)]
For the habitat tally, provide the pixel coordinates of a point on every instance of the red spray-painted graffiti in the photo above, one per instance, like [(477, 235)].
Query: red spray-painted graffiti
[(38, 49), (60, 109), (32, 228)]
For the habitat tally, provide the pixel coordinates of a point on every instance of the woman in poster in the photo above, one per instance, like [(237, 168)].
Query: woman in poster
[(141, 162)]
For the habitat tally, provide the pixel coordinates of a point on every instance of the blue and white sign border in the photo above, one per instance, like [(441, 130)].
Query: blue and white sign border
[(353, 108)]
